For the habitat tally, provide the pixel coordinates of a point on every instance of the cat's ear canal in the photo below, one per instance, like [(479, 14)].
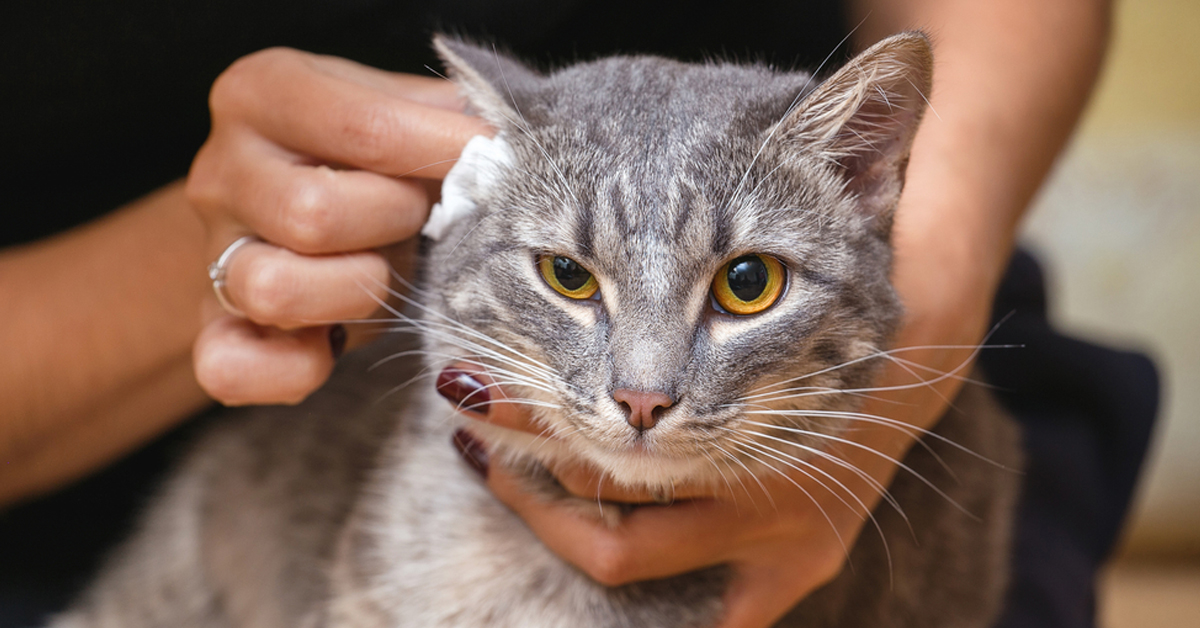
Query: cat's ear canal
[(864, 117), (493, 82)]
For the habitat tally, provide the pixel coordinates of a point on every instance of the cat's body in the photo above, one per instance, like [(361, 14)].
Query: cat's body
[(353, 510), (281, 519)]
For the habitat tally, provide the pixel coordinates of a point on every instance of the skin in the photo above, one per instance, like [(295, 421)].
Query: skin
[(310, 154), (97, 328), (1011, 80), (112, 331)]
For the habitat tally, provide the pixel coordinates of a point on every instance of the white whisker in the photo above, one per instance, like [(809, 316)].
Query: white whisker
[(867, 514), (872, 482), (872, 451), (828, 519), (737, 476)]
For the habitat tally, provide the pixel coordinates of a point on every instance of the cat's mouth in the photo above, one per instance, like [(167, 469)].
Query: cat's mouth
[(639, 462)]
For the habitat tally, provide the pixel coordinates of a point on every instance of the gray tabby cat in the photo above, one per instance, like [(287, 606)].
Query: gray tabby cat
[(684, 270)]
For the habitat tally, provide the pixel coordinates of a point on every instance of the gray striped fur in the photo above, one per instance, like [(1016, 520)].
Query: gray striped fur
[(353, 510)]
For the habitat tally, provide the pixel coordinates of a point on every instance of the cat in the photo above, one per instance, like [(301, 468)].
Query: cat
[(647, 252)]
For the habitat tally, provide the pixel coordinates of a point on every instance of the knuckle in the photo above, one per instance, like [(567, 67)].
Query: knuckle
[(370, 134), (376, 290), (217, 373), (610, 564), (376, 266), (244, 77), (308, 378), (229, 90), (268, 292), (828, 564), (213, 380), (582, 482), (202, 188), (275, 56), (307, 216)]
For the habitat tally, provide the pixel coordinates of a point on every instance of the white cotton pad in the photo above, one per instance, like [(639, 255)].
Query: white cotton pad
[(477, 169)]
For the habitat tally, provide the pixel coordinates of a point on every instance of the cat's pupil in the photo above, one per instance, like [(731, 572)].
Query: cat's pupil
[(747, 277), (570, 274)]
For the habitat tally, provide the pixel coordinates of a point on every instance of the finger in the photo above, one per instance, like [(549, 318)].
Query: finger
[(340, 121), (761, 594), (651, 542), (587, 482), (275, 286), (658, 541), (305, 208), (238, 362), (428, 90), (471, 389)]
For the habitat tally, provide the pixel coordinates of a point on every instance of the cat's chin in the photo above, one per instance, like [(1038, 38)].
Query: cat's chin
[(632, 465), (639, 467)]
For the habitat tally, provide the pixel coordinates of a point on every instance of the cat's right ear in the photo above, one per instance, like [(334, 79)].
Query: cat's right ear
[(864, 117), (493, 82)]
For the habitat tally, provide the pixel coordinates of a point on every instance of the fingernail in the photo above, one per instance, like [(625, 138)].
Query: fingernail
[(463, 390), (472, 451), (337, 340)]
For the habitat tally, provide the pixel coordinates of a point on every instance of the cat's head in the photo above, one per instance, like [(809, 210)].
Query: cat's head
[(672, 262)]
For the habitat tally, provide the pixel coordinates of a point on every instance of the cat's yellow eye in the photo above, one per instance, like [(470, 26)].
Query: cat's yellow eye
[(748, 284), (567, 277)]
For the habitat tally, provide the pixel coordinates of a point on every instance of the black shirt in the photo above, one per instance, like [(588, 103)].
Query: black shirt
[(103, 102)]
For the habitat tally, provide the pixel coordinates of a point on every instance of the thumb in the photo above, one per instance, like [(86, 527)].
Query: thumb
[(472, 391), (761, 594)]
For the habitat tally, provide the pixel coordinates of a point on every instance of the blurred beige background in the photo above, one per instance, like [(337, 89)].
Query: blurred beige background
[(1118, 226)]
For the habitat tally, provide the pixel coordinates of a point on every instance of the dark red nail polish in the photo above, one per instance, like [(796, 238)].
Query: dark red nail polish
[(463, 390), (472, 451), (337, 340)]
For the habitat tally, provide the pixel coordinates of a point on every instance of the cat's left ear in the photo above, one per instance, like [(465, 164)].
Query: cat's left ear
[(864, 117), (493, 82)]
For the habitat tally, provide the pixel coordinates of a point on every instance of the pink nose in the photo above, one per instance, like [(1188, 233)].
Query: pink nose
[(642, 409)]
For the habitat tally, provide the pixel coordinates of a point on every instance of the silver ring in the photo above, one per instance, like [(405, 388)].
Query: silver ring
[(218, 269)]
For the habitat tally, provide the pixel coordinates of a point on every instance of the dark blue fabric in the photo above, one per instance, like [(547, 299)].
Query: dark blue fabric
[(106, 101), (1087, 412)]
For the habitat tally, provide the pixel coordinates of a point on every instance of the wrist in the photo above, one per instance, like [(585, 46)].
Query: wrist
[(946, 278)]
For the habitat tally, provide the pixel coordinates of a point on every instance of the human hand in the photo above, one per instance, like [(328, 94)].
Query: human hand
[(324, 160), (786, 534)]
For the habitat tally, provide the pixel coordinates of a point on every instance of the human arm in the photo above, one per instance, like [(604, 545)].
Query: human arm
[(98, 328), (100, 322)]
